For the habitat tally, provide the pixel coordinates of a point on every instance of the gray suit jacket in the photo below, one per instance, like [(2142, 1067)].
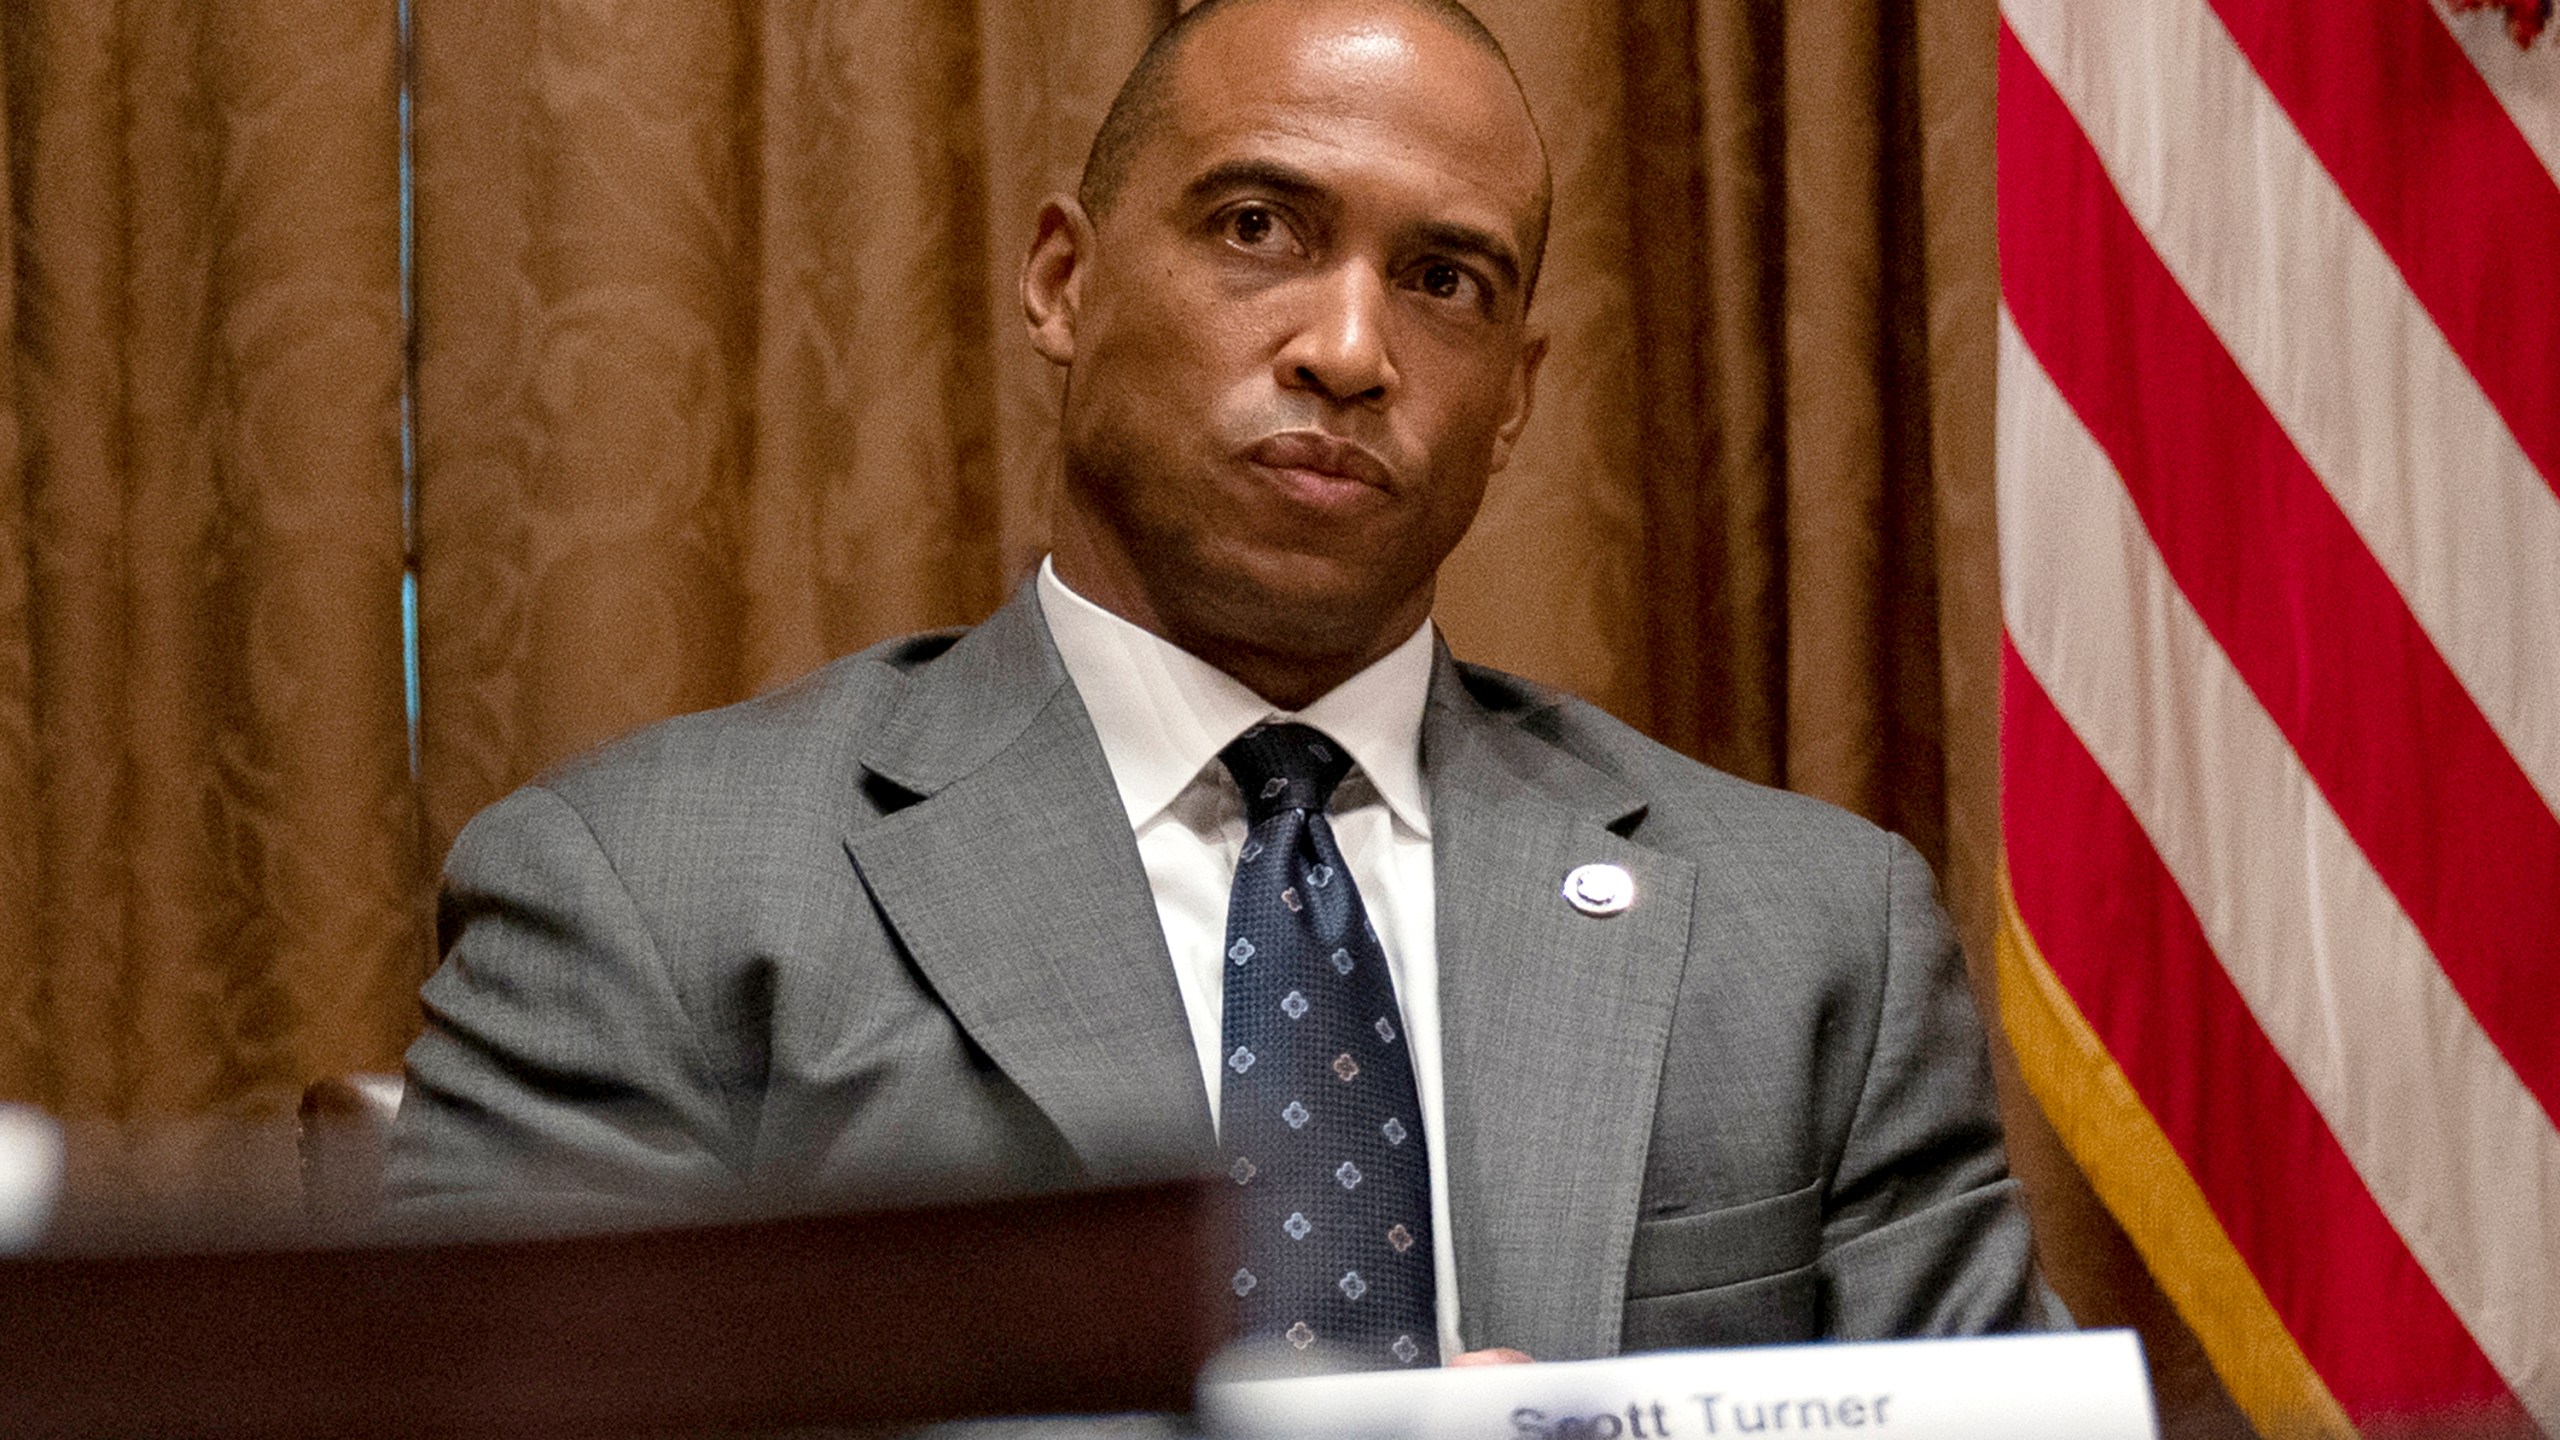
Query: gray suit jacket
[(886, 931)]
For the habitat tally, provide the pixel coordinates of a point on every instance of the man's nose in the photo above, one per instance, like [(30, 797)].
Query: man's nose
[(1339, 349)]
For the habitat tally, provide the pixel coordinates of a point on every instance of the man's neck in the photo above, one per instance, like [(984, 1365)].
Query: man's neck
[(1290, 678)]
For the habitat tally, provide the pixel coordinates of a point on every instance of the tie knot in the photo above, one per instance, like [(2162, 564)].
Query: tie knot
[(1285, 767)]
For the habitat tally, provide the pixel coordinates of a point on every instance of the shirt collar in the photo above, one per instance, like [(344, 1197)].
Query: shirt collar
[(1163, 713)]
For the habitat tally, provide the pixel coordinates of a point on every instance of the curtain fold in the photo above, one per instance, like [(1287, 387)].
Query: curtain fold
[(213, 887), (721, 360)]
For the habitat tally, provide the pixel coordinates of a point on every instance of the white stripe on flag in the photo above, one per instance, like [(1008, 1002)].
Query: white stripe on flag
[(2453, 1147), (2526, 82), (2320, 321)]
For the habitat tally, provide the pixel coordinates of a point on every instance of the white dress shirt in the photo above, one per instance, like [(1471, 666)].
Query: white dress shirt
[(1163, 714)]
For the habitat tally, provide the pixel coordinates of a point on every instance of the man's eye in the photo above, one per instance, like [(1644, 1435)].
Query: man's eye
[(1444, 280), (1256, 227)]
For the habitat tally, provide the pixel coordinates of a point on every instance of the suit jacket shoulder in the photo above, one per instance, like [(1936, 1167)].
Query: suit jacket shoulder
[(817, 941), (1679, 792), (758, 752)]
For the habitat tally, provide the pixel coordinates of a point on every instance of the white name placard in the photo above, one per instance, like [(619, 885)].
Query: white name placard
[(30, 1174), (2087, 1386)]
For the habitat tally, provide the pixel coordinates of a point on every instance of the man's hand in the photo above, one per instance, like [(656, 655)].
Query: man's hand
[(1491, 1357)]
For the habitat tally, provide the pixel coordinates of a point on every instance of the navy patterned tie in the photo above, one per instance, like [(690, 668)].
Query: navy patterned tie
[(1318, 1111)]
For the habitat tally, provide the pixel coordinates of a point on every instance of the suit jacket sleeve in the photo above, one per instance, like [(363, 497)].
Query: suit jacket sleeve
[(1922, 1233), (559, 1074)]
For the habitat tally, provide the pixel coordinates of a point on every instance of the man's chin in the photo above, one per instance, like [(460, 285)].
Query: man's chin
[(1319, 608)]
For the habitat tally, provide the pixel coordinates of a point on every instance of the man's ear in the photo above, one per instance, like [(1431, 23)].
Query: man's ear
[(1524, 390), (1053, 277)]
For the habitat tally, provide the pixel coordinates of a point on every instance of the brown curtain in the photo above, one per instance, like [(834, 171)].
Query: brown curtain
[(721, 370), (209, 847)]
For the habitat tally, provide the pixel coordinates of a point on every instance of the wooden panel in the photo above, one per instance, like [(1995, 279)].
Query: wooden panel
[(1092, 1302)]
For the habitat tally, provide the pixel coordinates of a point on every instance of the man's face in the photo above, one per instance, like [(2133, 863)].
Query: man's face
[(1297, 343)]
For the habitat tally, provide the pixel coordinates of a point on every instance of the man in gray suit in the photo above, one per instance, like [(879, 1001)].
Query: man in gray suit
[(1693, 1060)]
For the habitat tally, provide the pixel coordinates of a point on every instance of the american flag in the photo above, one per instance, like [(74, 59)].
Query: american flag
[(2279, 460)]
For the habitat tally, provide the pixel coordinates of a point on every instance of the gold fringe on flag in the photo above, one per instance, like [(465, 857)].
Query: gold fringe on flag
[(2134, 1169)]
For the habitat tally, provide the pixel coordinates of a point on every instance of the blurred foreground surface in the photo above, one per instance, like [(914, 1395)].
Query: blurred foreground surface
[(174, 1294), (205, 1278)]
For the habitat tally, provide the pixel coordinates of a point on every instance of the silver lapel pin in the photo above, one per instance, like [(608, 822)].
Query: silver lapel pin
[(1599, 890)]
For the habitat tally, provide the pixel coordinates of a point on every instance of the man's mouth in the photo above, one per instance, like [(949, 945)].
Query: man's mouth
[(1321, 462)]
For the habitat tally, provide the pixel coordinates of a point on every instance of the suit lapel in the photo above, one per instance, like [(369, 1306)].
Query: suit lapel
[(1016, 887), (1553, 1026)]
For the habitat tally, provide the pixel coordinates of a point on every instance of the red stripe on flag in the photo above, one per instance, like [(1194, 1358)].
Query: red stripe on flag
[(2120, 936), (2402, 120), (2326, 643)]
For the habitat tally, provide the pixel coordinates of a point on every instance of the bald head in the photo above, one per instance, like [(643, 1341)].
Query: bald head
[(1145, 100), (1292, 307)]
